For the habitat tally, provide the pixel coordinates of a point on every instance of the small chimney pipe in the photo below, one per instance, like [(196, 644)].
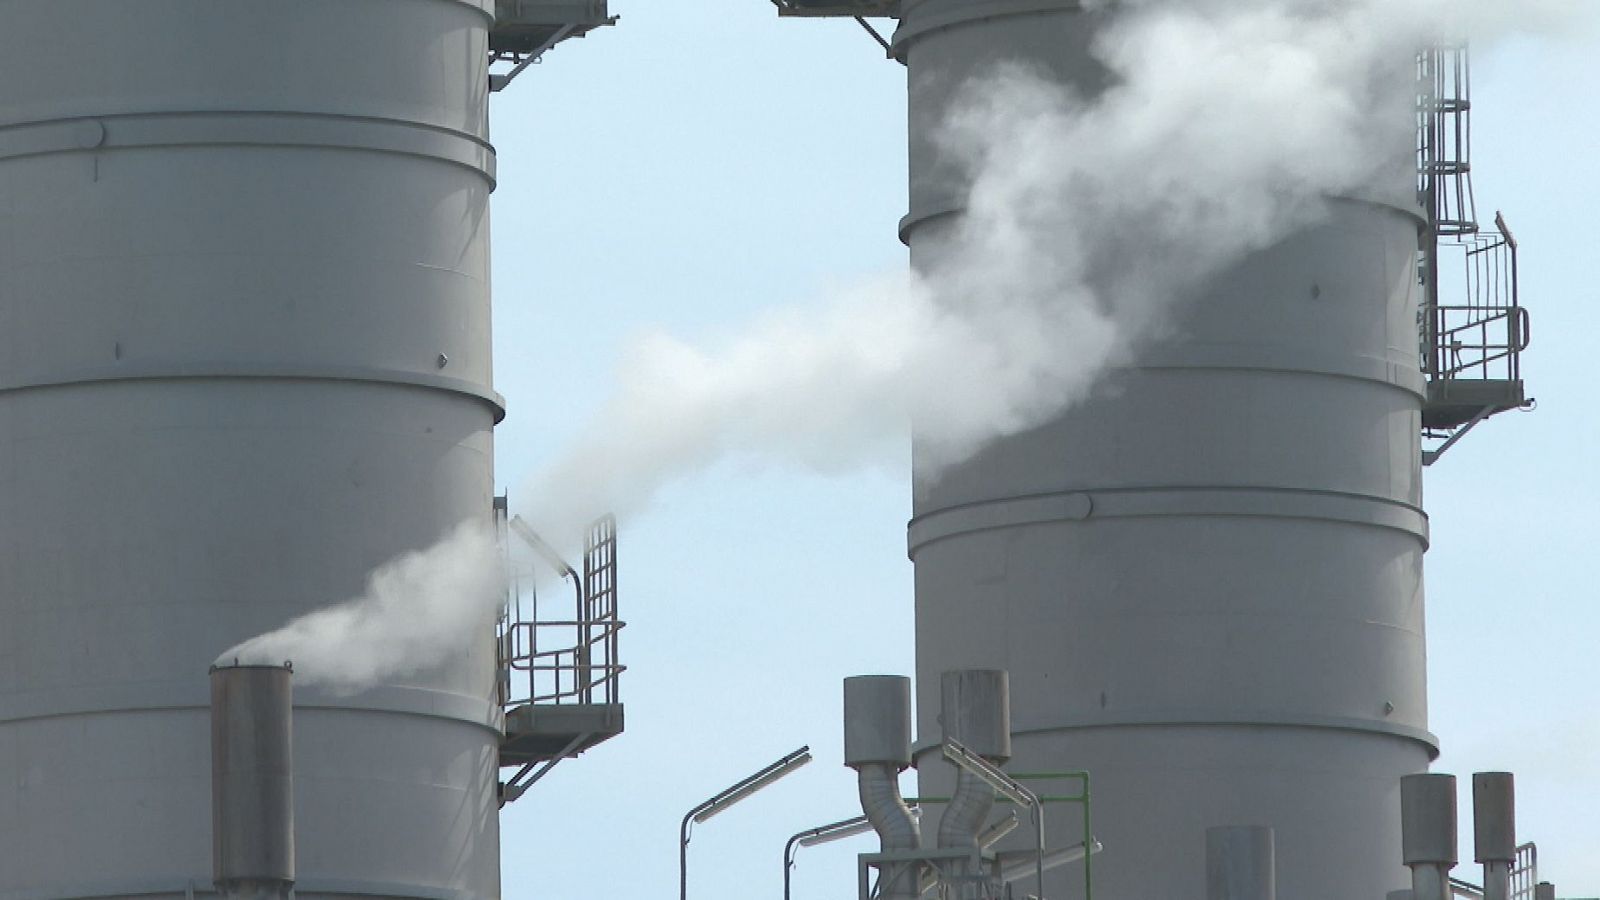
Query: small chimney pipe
[(252, 781), (1494, 831), (877, 744), (1428, 833), (975, 709)]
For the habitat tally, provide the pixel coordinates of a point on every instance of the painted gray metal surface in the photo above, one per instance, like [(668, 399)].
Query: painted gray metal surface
[(252, 778), (975, 709), (1205, 580), (1428, 819), (877, 720), (1239, 863), (1494, 817), (244, 358), (877, 744)]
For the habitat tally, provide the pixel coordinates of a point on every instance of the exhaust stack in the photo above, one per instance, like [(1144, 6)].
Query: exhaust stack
[(1428, 833), (252, 781), (1494, 831), (974, 709), (877, 744)]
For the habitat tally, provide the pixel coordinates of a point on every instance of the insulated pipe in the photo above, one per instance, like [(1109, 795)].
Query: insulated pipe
[(877, 744), (975, 709), (1494, 831), (891, 818), (252, 781), (1428, 833), (1239, 863)]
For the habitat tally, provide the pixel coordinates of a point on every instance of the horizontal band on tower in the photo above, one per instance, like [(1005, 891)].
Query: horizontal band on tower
[(133, 131), (202, 371), (922, 213), (1167, 502), (1287, 361), (1244, 719), (138, 698)]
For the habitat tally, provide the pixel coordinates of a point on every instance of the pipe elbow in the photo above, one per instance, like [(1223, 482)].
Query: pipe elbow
[(969, 808), (885, 809)]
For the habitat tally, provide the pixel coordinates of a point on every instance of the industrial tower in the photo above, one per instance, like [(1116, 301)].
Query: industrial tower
[(244, 359), (1206, 581)]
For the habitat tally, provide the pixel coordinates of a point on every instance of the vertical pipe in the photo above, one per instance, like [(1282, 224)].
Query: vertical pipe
[(1494, 831), (252, 781), (975, 709), (1430, 881), (1239, 863), (1428, 833), (877, 744)]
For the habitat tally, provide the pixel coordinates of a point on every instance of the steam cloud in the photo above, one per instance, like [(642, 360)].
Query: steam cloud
[(1225, 126), (419, 611)]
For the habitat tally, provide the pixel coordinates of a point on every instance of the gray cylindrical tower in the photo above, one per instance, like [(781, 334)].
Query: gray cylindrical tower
[(1206, 581), (244, 359)]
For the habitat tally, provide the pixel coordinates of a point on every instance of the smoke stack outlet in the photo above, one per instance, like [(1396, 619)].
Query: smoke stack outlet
[(252, 780)]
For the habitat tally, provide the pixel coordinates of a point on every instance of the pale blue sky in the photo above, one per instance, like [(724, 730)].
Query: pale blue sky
[(704, 161)]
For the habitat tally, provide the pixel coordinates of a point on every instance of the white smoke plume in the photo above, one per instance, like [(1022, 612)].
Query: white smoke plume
[(1224, 127), (418, 611)]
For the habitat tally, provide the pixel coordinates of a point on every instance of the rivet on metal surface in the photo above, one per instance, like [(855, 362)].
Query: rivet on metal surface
[(443, 360)]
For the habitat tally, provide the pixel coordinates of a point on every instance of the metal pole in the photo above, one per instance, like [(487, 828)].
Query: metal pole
[(727, 798)]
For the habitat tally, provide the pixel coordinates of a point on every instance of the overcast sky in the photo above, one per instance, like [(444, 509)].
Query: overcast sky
[(704, 161)]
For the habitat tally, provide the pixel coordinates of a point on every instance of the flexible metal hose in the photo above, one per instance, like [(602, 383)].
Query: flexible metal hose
[(969, 808), (896, 826)]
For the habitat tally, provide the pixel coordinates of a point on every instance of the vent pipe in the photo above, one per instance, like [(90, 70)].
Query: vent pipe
[(252, 781), (975, 709), (877, 744), (1494, 831), (1240, 863), (1428, 833)]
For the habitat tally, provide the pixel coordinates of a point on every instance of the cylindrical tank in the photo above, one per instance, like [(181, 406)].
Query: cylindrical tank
[(244, 359), (1206, 579)]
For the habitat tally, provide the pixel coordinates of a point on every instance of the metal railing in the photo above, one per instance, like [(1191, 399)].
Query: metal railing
[(1077, 795), (1483, 337), (570, 657), (1525, 873), (1524, 878), (581, 672)]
